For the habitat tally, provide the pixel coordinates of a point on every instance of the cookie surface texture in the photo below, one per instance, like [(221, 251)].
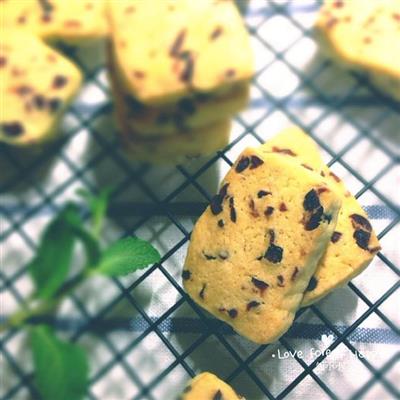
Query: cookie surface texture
[(353, 244), (255, 248)]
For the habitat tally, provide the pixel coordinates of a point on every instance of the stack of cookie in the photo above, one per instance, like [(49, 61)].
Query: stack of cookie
[(179, 71), (282, 232)]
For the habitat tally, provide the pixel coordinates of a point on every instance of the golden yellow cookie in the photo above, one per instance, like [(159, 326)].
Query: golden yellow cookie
[(366, 35), (207, 386), (73, 21), (254, 250), (189, 113), (353, 244), (36, 86), (165, 50)]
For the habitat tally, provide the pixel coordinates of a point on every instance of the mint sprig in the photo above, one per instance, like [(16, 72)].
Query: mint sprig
[(61, 368)]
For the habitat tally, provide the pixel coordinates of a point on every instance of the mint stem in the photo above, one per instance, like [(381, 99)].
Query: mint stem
[(46, 307)]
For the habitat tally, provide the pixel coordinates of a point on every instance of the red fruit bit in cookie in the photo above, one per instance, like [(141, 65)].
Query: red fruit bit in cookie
[(311, 201), (230, 73), (375, 249), (216, 33), (288, 152), (3, 61), (187, 72), (367, 40), (338, 4), (312, 284), (274, 254), (334, 176), (271, 234), (129, 10), (217, 395), (23, 90), (39, 101), (242, 164), (72, 23), (268, 211), (331, 22), (253, 210), (139, 74), (46, 18), (307, 167), (252, 304), (259, 284), (322, 190), (362, 238), (294, 274), (59, 81), (396, 16), (358, 221), (177, 43), (232, 213), (186, 274), (12, 129), (233, 313), (282, 207), (336, 237), (255, 162), (21, 19), (263, 193), (202, 291), (54, 104)]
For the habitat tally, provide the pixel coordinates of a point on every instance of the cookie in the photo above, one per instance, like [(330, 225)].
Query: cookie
[(207, 386), (190, 47), (36, 86), (255, 248), (177, 148), (365, 35), (72, 21), (353, 244)]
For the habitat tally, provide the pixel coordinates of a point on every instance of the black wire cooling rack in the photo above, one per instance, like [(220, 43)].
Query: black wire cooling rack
[(141, 316)]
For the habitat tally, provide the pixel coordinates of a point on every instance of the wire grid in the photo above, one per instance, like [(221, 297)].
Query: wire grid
[(123, 335)]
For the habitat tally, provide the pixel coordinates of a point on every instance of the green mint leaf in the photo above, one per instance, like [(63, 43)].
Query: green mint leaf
[(50, 267), (61, 368), (126, 256), (90, 243), (98, 207)]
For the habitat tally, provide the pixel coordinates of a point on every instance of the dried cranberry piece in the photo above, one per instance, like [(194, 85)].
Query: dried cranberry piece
[(362, 238), (12, 128), (252, 304), (59, 81), (283, 207), (216, 204), (255, 162), (315, 219), (233, 312), (242, 164), (259, 284), (268, 211), (283, 151), (294, 274), (311, 201), (358, 221), (335, 236), (312, 284), (274, 253), (217, 395), (186, 274), (263, 193), (177, 44), (216, 32), (203, 289)]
